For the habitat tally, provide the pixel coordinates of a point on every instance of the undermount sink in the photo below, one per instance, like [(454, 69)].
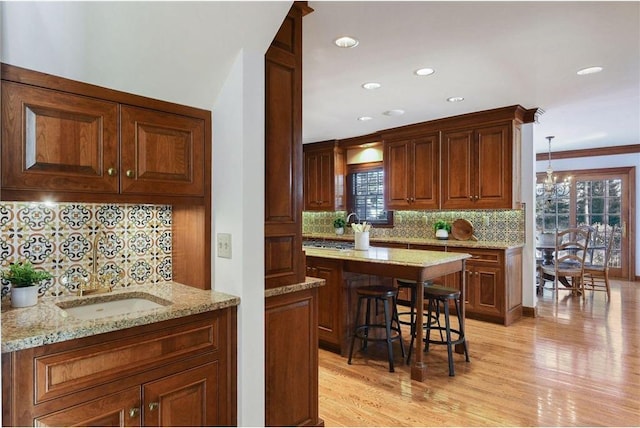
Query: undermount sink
[(108, 306)]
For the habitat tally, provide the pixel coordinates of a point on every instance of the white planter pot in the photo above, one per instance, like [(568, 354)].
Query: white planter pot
[(442, 234), (22, 297), (339, 230)]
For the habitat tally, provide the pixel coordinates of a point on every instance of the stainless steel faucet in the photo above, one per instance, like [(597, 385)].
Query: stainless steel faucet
[(349, 216)]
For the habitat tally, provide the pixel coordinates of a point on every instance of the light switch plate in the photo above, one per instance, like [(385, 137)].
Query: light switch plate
[(224, 245)]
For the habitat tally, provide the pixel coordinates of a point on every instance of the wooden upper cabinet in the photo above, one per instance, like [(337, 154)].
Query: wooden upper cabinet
[(68, 140), (478, 168), (53, 140), (162, 153), (412, 171), (323, 177)]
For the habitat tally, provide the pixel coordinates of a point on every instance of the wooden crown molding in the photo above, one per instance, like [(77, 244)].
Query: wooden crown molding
[(600, 151)]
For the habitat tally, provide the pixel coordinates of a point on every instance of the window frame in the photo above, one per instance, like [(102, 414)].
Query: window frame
[(350, 203)]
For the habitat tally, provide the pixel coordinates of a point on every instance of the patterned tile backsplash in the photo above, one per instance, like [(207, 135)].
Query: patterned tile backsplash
[(490, 225), (134, 246)]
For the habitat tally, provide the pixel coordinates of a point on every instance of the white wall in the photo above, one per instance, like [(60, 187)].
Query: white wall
[(597, 162), (238, 207), (528, 159)]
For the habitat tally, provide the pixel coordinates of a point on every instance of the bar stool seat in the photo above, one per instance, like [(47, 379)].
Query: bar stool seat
[(376, 294), (442, 295)]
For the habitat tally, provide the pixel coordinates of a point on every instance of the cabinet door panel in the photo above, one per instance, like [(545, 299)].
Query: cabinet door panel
[(291, 359), (426, 172), (488, 294), (396, 174), (162, 153), (311, 182), (457, 160), (121, 409), (493, 167), (189, 398), (57, 141)]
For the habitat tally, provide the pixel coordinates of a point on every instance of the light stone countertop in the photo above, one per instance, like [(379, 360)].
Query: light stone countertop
[(309, 282), (46, 323), (391, 256), (496, 245)]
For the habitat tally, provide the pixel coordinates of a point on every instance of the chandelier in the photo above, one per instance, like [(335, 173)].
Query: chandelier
[(550, 180)]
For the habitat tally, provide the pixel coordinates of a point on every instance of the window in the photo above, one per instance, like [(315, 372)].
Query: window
[(365, 193)]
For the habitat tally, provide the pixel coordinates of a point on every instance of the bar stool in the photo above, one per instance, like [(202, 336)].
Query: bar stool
[(413, 292), (442, 295), (375, 294)]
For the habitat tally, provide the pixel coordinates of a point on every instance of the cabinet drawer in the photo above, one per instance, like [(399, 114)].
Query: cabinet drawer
[(70, 371), (481, 256), (119, 409)]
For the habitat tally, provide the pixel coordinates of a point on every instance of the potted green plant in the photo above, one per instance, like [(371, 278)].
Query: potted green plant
[(338, 225), (24, 279), (442, 229)]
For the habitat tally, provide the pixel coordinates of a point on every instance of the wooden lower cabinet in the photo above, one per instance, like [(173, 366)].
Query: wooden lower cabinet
[(179, 372), (493, 283), (330, 301), (291, 359)]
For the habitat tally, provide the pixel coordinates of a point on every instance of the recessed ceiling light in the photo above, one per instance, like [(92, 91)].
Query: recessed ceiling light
[(424, 71), (455, 99), (589, 70), (346, 42), (364, 118), (371, 85), (394, 112)]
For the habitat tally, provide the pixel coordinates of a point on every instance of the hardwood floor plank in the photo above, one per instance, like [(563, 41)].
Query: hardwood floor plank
[(577, 363)]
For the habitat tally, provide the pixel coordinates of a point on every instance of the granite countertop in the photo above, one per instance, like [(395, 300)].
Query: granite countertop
[(46, 323), (496, 245), (392, 256), (309, 282)]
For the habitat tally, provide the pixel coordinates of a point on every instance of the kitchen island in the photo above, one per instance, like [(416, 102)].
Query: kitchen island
[(353, 268)]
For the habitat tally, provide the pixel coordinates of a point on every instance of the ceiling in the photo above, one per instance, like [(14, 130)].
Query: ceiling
[(493, 54)]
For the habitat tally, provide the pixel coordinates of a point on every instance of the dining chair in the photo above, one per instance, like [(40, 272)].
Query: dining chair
[(568, 265), (597, 275)]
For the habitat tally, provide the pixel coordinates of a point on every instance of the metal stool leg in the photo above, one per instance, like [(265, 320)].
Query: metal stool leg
[(387, 323), (397, 319), (462, 335), (355, 332), (448, 330)]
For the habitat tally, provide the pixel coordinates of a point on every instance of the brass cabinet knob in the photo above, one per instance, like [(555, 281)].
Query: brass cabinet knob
[(130, 173), (133, 412), (112, 172), (153, 406), (470, 198)]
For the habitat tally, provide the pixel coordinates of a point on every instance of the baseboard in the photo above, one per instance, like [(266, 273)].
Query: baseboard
[(529, 312)]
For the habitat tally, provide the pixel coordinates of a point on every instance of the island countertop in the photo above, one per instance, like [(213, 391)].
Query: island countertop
[(46, 323), (444, 243), (391, 256)]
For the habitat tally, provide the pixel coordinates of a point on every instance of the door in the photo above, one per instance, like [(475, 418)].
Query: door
[(189, 398), (37, 126), (600, 198), (121, 409), (162, 153)]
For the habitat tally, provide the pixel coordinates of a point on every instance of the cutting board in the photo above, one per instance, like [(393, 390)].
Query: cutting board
[(462, 230)]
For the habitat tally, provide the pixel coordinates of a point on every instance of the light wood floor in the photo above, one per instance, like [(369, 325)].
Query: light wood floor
[(576, 364)]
